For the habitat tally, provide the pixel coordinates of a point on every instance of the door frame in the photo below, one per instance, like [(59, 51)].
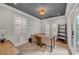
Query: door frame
[(76, 13)]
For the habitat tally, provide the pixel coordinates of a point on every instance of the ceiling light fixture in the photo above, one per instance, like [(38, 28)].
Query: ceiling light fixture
[(42, 11)]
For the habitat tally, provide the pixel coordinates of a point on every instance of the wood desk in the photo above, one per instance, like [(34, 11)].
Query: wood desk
[(7, 48), (40, 39)]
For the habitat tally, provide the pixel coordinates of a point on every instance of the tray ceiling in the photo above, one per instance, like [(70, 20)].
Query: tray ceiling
[(52, 9)]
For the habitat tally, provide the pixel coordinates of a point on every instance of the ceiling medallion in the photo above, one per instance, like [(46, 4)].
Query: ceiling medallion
[(42, 11)]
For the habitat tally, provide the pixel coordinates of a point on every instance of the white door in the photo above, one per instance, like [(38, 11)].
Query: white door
[(47, 29)]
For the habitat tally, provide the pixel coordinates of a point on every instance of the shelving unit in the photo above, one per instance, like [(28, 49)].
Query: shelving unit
[(62, 33)]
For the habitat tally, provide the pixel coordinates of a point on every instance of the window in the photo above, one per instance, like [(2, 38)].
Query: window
[(77, 33), (17, 25), (23, 25), (20, 25)]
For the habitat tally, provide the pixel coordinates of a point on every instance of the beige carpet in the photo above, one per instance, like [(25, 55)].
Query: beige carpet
[(33, 49)]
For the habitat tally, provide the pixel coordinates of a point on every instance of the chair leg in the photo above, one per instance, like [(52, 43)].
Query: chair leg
[(43, 45)]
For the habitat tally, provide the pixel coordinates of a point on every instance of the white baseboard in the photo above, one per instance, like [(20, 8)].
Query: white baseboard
[(18, 44)]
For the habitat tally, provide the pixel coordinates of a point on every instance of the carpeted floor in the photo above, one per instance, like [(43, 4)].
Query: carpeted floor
[(33, 49)]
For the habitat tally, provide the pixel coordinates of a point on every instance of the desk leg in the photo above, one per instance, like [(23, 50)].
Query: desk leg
[(51, 44)]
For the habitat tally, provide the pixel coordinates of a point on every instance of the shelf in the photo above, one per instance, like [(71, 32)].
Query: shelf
[(61, 36), (61, 32), (62, 28), (61, 25)]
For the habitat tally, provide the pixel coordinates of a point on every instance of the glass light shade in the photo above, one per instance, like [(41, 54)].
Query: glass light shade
[(42, 12)]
